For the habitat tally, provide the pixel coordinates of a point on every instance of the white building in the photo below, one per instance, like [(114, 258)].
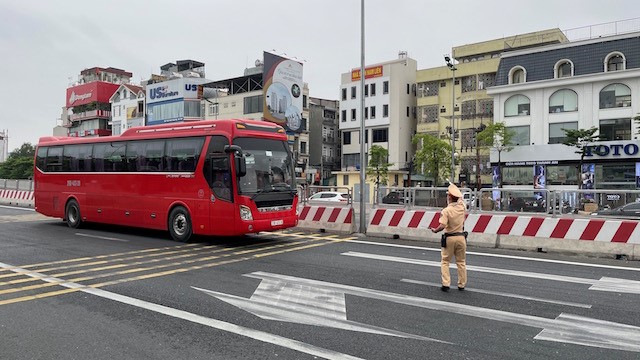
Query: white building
[(127, 108), (578, 85), (389, 115)]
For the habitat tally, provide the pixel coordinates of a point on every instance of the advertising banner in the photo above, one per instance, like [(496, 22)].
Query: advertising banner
[(132, 112), (587, 177), (638, 175), (282, 91), (87, 93), (369, 73)]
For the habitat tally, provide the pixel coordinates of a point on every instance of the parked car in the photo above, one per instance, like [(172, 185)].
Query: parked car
[(332, 196), (527, 204), (393, 197), (631, 210)]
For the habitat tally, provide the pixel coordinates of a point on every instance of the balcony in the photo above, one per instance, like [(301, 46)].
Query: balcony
[(328, 139), (91, 114)]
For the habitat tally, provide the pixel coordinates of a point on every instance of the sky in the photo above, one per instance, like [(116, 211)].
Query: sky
[(45, 45)]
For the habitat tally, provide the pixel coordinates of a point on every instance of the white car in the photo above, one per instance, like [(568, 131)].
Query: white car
[(332, 196)]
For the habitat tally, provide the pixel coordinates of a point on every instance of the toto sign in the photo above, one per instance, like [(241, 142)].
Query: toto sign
[(615, 150)]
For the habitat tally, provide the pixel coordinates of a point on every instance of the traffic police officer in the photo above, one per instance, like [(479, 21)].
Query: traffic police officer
[(454, 239)]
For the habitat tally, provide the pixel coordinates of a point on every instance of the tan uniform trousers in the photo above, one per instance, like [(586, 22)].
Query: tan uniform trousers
[(456, 247)]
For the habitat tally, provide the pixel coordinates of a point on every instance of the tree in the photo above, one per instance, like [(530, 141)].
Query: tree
[(19, 164), (580, 139), (499, 137), (434, 154), (378, 165)]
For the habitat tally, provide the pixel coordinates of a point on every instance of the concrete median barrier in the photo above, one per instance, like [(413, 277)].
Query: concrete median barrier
[(326, 218), (17, 198)]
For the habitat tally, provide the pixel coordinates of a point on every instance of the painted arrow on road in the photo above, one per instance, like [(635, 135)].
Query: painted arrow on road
[(602, 284), (325, 309)]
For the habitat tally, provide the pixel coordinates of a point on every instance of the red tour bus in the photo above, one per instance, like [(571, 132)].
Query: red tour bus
[(219, 177)]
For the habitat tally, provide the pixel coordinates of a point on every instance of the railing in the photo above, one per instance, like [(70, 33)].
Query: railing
[(307, 191), (604, 29), (8, 184)]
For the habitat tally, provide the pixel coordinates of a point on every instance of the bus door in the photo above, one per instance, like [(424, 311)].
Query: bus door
[(217, 171)]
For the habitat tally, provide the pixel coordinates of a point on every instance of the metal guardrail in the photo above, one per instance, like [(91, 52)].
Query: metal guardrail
[(305, 192)]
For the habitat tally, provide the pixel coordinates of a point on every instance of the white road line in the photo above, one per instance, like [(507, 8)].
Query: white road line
[(503, 294), (16, 208), (101, 237), (500, 256), (180, 314), (565, 328)]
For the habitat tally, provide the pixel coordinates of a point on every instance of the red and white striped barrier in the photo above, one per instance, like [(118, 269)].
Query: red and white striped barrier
[(16, 197), (323, 218), (417, 222)]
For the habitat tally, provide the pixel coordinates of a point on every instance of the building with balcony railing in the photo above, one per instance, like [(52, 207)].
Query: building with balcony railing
[(324, 149)]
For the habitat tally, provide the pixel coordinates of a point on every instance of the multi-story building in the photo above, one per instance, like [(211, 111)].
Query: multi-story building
[(324, 142), (127, 108), (467, 102), (389, 116), (242, 97), (174, 95), (542, 91), (88, 110)]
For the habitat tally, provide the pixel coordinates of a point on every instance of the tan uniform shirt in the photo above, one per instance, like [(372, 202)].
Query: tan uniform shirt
[(452, 217)]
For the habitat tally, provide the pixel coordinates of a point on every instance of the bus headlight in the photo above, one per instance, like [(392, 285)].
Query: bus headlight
[(245, 213)]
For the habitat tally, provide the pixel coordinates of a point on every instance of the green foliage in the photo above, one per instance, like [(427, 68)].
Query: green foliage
[(19, 164), (580, 139), (434, 154), (378, 165), (498, 136)]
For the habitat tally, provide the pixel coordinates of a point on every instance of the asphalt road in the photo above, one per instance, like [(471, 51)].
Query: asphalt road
[(104, 292)]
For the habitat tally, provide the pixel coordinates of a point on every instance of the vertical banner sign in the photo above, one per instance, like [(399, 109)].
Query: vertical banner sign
[(539, 181), (638, 175), (495, 182), (282, 92), (587, 176)]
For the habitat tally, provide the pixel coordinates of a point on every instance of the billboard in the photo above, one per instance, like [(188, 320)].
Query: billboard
[(369, 73), (87, 93), (282, 91), (182, 88)]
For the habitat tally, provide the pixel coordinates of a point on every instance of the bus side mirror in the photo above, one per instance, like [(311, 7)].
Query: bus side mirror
[(241, 163), (241, 166)]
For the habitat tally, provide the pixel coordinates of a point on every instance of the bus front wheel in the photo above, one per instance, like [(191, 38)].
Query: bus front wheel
[(72, 214), (180, 224)]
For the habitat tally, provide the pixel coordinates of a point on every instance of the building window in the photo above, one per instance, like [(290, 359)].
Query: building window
[(614, 62), (557, 134), (562, 175), (380, 135), (253, 104), (428, 114), (353, 114), (213, 109), (408, 111), (520, 135), (304, 101), (366, 90), (366, 136), (345, 179), (366, 113), (408, 89), (353, 92), (373, 89), (517, 75), (385, 110), (346, 138), (385, 87), (563, 68), (615, 95), (303, 147), (344, 94), (344, 116), (615, 129), (373, 112), (517, 105), (563, 101)]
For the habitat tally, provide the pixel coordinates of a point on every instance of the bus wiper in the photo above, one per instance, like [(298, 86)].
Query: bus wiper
[(258, 192)]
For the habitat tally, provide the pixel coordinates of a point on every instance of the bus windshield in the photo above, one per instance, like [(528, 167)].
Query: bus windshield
[(269, 166)]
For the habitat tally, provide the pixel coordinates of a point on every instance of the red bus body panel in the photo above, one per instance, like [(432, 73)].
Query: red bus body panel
[(145, 199)]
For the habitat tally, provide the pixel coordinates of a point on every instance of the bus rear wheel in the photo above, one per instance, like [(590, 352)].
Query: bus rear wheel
[(180, 224), (72, 214)]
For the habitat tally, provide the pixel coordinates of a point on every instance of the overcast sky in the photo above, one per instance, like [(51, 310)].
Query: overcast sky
[(44, 44)]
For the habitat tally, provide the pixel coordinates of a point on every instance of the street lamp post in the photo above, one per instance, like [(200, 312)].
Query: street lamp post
[(453, 69)]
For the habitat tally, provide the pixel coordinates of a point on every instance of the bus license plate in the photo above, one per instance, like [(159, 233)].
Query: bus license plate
[(277, 222)]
